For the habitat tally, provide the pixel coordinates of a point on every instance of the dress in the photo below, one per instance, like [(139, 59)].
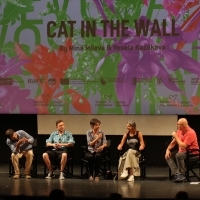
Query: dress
[(130, 159)]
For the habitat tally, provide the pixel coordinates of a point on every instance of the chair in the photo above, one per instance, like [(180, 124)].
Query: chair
[(141, 163), (192, 162), (105, 163), (23, 160), (68, 170)]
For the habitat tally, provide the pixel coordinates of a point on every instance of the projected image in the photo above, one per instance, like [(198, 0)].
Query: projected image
[(100, 57)]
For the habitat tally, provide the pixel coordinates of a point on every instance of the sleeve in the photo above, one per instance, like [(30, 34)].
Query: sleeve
[(11, 146), (104, 138), (50, 139), (26, 135), (190, 138), (88, 138), (71, 138)]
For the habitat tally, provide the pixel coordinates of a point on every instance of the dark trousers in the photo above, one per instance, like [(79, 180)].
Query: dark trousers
[(94, 162)]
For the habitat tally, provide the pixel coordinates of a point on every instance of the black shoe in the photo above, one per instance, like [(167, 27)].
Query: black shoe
[(180, 178)]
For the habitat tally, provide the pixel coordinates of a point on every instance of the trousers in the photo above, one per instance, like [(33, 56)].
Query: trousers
[(15, 161)]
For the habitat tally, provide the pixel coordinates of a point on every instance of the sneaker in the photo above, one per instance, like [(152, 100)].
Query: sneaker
[(124, 174), (16, 176), (28, 177), (131, 178), (49, 175), (61, 176), (174, 177), (180, 178)]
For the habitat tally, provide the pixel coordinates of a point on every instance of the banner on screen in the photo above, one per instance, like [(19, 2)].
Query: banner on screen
[(100, 57)]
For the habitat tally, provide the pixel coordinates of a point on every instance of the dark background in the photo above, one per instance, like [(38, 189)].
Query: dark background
[(155, 145)]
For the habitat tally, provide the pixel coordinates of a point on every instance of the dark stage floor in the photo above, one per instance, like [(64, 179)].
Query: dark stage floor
[(155, 186)]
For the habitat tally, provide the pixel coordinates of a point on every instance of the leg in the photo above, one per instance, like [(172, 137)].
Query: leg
[(97, 163), (172, 163), (49, 155), (29, 158), (180, 160), (131, 161), (15, 161), (90, 159), (63, 161)]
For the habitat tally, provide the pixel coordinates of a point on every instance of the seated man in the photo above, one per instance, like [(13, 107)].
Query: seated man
[(186, 138), (20, 144), (59, 141)]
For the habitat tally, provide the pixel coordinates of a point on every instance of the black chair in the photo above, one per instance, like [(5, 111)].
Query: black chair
[(105, 163), (192, 163), (141, 163), (68, 170), (23, 160)]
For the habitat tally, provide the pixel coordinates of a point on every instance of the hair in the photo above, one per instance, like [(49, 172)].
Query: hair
[(94, 121), (181, 195), (132, 123), (58, 122), (9, 133), (57, 194)]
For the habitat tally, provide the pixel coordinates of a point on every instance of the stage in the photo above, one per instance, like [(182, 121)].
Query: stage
[(155, 186)]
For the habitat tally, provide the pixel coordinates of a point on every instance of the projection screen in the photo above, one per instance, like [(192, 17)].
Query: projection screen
[(110, 124)]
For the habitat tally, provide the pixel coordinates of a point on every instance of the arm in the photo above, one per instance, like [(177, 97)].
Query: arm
[(142, 145), (50, 141), (170, 146), (104, 143), (90, 142), (27, 138), (181, 144), (122, 142)]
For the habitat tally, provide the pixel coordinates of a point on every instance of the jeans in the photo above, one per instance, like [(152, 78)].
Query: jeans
[(177, 162)]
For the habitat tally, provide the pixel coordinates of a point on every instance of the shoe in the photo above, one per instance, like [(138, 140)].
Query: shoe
[(91, 178), (96, 178), (16, 176), (131, 178), (124, 174), (174, 177), (28, 177), (61, 176), (180, 178), (49, 175)]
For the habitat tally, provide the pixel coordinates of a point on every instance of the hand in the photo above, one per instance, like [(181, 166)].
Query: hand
[(99, 149), (174, 134), (57, 146), (119, 147), (141, 148), (99, 136), (167, 154)]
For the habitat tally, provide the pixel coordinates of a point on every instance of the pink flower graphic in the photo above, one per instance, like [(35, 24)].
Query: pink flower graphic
[(12, 97)]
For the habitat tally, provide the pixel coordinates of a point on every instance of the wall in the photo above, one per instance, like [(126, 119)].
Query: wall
[(155, 145)]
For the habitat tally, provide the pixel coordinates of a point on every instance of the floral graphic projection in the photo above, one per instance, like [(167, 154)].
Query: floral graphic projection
[(100, 57)]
